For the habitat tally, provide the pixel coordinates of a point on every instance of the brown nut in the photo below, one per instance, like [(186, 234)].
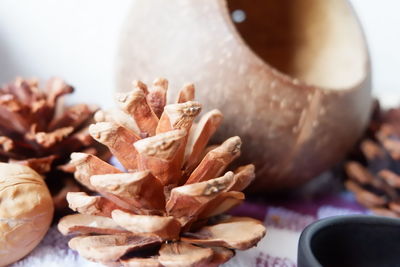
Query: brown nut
[(26, 211)]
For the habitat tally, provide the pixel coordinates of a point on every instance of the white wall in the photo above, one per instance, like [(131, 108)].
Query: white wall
[(77, 39), (381, 21)]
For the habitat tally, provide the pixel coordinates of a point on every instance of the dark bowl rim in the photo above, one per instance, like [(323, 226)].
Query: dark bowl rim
[(304, 245)]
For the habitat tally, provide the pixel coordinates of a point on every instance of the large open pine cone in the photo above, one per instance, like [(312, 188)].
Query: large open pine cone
[(166, 209), (38, 131), (375, 179)]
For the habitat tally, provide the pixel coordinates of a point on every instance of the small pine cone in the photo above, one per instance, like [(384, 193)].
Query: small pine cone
[(375, 178), (166, 208), (37, 130)]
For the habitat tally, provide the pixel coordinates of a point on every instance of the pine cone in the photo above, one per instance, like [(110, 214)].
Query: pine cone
[(36, 130), (375, 178), (166, 209)]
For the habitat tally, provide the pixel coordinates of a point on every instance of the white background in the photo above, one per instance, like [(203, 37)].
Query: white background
[(77, 39)]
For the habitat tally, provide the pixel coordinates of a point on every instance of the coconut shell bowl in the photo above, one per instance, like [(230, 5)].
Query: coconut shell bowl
[(292, 77)]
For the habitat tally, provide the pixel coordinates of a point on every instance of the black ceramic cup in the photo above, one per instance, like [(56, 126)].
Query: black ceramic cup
[(350, 241)]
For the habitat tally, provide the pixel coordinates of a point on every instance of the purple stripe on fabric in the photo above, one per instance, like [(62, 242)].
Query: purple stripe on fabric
[(266, 260), (248, 209), (257, 208)]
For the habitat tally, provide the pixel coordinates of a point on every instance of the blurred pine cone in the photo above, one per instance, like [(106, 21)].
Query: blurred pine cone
[(375, 177), (166, 209), (37, 130)]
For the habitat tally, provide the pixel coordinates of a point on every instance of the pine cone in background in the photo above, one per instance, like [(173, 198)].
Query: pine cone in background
[(375, 177), (166, 209), (38, 131)]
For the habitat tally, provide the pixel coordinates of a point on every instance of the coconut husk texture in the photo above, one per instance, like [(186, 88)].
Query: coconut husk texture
[(39, 131), (374, 177), (166, 208)]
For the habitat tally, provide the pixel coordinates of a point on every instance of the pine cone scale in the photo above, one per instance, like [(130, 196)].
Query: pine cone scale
[(165, 227), (206, 127), (135, 104), (219, 235), (119, 140), (89, 224), (133, 188), (87, 165), (109, 248), (375, 179)]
